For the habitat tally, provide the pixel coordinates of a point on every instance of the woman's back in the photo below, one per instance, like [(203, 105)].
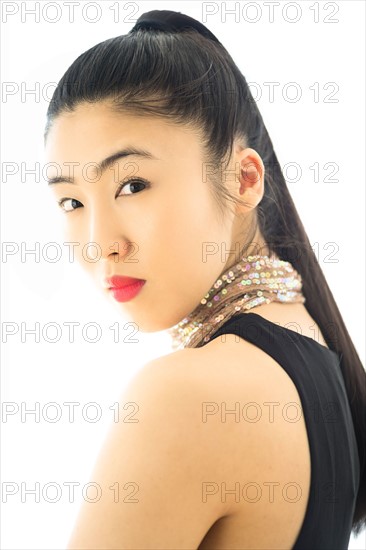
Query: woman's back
[(304, 492)]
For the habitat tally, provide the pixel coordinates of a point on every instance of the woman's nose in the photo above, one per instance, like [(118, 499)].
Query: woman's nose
[(106, 237)]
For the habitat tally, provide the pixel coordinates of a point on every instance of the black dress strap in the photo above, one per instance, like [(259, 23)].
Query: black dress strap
[(335, 467)]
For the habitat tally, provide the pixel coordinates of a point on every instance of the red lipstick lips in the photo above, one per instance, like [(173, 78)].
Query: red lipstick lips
[(124, 289)]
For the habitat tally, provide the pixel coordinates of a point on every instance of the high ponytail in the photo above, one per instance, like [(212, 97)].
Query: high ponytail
[(171, 21), (169, 65)]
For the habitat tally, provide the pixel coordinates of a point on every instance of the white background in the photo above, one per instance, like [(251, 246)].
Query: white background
[(305, 132)]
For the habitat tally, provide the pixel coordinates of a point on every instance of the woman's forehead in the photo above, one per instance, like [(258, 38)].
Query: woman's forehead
[(90, 135)]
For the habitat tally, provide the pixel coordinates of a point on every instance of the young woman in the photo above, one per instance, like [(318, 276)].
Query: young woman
[(250, 434)]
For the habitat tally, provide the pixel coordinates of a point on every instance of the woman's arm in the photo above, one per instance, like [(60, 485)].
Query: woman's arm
[(153, 465)]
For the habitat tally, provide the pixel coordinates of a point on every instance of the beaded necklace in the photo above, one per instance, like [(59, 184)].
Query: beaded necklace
[(251, 282)]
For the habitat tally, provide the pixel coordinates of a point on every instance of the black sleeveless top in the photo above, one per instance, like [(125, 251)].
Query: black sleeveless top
[(335, 467)]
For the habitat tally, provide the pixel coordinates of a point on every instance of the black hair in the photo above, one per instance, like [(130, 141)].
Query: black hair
[(170, 65)]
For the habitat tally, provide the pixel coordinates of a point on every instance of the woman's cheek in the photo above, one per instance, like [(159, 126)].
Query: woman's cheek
[(75, 242)]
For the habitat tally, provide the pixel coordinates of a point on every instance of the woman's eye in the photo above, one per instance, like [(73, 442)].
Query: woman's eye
[(68, 205), (133, 183)]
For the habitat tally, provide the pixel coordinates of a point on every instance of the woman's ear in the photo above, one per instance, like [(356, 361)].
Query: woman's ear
[(250, 186)]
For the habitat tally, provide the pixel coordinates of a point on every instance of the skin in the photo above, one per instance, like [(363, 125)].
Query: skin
[(153, 219), (169, 452)]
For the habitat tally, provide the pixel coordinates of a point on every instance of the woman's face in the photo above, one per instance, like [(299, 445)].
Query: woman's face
[(163, 226)]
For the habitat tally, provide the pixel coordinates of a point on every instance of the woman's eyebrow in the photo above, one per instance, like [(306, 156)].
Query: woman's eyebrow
[(106, 163)]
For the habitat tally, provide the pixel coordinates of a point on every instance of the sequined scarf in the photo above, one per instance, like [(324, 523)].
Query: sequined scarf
[(255, 280)]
